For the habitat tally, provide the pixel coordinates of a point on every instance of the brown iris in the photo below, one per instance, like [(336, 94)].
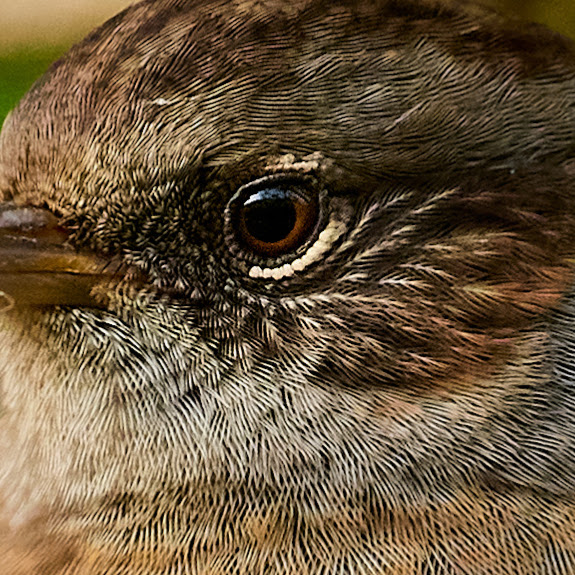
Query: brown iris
[(276, 218)]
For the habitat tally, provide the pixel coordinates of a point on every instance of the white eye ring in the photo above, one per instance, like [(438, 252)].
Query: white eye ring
[(333, 231)]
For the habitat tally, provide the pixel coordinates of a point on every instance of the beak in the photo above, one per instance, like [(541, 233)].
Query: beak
[(39, 267)]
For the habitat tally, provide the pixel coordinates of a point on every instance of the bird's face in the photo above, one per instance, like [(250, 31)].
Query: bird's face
[(317, 311)]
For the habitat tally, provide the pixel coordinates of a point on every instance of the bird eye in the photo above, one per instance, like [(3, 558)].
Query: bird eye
[(275, 217)]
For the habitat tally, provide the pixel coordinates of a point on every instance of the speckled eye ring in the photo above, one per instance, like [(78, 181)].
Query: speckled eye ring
[(278, 222)]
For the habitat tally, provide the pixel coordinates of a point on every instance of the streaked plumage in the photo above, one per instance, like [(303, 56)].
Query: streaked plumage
[(404, 405)]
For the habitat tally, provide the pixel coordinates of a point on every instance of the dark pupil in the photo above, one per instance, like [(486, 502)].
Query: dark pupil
[(270, 215)]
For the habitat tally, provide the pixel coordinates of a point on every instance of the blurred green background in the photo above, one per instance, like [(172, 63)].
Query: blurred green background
[(33, 33)]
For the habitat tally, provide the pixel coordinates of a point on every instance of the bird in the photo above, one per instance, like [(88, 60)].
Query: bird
[(287, 288)]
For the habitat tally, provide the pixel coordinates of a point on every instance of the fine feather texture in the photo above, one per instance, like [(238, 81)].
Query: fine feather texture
[(404, 405)]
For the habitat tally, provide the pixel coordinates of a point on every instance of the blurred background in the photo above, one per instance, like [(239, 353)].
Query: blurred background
[(33, 33)]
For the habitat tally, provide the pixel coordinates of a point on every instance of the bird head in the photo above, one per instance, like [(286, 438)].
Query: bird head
[(290, 288)]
